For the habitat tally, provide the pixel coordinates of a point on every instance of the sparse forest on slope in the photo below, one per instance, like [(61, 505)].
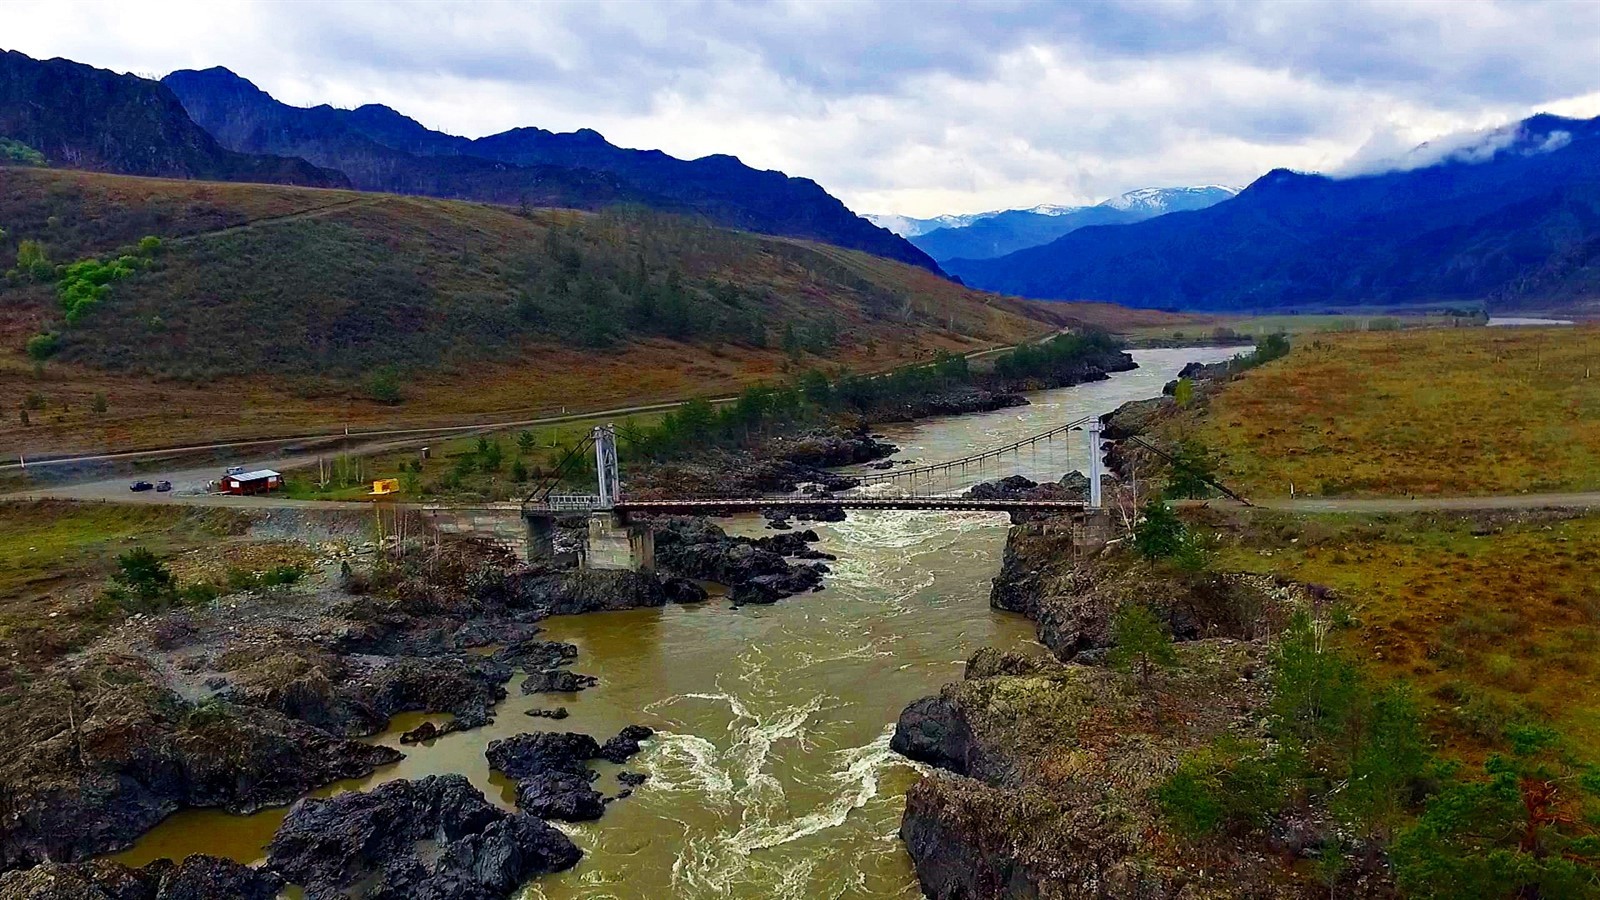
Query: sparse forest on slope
[(1518, 230), (382, 150), (460, 307)]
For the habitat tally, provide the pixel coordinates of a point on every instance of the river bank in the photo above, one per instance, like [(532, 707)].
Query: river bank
[(769, 771), (255, 702), (1050, 769)]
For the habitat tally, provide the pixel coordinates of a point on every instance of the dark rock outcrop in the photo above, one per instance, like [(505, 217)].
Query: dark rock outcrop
[(625, 744), (564, 796), (552, 773), (484, 633), (955, 402), (531, 655), (196, 878), (836, 447), (932, 730), (754, 569), (683, 590), (1072, 486), (427, 731), (357, 694), (140, 768), (557, 681), (479, 851), (534, 753), (569, 592)]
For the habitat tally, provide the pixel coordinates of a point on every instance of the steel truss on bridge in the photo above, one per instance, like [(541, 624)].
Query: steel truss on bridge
[(603, 440)]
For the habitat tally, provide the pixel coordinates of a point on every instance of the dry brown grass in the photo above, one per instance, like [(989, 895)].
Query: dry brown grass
[(144, 412), (466, 251), (1438, 411), (1496, 619)]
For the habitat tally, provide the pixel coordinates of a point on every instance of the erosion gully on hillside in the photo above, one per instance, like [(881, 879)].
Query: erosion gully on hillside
[(769, 771)]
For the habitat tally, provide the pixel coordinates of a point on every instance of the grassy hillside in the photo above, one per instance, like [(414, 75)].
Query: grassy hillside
[(1437, 411), (267, 308), (1491, 616)]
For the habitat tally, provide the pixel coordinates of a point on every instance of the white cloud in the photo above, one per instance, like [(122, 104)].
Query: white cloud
[(918, 109)]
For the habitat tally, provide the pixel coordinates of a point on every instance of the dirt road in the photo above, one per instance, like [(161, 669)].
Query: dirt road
[(1587, 500)]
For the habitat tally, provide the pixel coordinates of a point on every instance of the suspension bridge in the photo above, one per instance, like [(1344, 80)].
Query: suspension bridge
[(919, 486), (616, 541)]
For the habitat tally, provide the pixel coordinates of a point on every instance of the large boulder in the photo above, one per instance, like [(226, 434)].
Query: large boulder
[(552, 773), (437, 838), (535, 753), (933, 730), (557, 681), (531, 656), (625, 744), (564, 796), (568, 592)]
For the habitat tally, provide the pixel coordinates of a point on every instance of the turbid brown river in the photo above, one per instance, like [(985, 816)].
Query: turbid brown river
[(771, 774)]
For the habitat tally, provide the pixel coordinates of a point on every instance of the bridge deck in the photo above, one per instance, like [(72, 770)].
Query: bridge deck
[(949, 504)]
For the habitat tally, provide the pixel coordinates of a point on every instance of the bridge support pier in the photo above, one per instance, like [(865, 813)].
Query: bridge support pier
[(541, 539), (616, 543)]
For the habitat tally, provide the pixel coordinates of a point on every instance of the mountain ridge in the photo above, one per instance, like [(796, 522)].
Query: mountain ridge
[(381, 149), (996, 233), (88, 118), (1515, 223)]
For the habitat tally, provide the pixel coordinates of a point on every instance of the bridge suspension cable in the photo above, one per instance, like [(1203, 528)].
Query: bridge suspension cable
[(602, 441), (880, 478)]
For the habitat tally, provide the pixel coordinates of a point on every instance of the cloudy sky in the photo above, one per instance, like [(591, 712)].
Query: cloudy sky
[(910, 107)]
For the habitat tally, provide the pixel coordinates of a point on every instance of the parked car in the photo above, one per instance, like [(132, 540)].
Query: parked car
[(163, 486), (142, 486), (234, 470)]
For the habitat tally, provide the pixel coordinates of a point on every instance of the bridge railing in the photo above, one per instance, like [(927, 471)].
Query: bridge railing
[(566, 503)]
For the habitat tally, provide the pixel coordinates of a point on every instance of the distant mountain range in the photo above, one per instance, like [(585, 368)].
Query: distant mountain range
[(214, 125), (991, 234), (380, 149), (1511, 218), (81, 117)]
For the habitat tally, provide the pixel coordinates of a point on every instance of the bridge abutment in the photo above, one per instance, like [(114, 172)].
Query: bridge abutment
[(1092, 529), (497, 523)]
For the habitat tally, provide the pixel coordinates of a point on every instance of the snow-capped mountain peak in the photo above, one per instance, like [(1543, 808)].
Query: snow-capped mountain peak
[(907, 226), (1156, 201), (1051, 209)]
